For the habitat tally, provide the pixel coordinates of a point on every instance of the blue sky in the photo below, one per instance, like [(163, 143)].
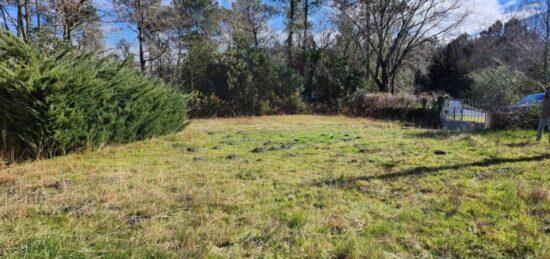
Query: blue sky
[(114, 32), (483, 14)]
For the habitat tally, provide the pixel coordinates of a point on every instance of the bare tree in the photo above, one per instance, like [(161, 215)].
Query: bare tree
[(133, 13), (71, 14), (393, 29), (23, 25), (308, 9), (291, 27), (37, 11), (61, 18), (4, 14), (367, 35), (252, 18), (305, 14), (28, 24), (20, 27)]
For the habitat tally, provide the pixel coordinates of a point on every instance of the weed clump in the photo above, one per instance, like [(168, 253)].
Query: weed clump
[(539, 195), (296, 219)]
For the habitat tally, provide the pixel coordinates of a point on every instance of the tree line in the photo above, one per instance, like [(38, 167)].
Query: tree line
[(235, 61)]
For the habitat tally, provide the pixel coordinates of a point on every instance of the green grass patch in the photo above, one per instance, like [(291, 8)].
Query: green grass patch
[(286, 186)]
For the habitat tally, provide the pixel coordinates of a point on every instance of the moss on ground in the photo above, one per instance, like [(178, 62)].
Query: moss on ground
[(286, 186)]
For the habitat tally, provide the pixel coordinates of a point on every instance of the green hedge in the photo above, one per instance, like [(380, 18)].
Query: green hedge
[(524, 118), (52, 105)]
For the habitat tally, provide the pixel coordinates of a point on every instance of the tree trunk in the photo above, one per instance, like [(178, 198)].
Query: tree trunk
[(381, 77), (151, 63), (545, 62), (67, 31), (289, 41), (304, 42), (67, 24), (546, 54), (141, 38), (28, 19), (177, 71), (368, 71), (20, 22), (256, 42), (4, 18), (38, 23), (141, 50), (392, 84)]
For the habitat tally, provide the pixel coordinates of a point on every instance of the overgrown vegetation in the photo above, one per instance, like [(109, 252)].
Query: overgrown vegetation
[(504, 51), (238, 59), (245, 80), (51, 105), (421, 110), (497, 88), (286, 186)]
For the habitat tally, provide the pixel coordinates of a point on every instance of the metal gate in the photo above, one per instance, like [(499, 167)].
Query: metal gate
[(463, 114)]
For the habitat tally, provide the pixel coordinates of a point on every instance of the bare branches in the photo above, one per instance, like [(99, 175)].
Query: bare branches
[(392, 29), (4, 18), (251, 17)]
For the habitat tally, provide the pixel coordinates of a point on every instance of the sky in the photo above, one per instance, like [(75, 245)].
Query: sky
[(482, 14)]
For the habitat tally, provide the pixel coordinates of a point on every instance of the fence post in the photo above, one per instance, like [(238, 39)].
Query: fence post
[(439, 109), (440, 103), (488, 121)]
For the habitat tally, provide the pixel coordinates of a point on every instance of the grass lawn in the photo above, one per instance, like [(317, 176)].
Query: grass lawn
[(286, 186)]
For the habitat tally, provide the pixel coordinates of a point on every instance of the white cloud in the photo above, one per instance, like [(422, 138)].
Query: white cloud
[(481, 14)]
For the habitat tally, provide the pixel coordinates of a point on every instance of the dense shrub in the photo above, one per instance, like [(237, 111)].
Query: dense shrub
[(332, 80), (244, 80), (52, 105), (421, 110), (527, 118), (372, 104), (202, 105), (257, 83), (496, 88), (450, 67)]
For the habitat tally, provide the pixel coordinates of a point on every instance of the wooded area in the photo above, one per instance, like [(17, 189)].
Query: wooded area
[(235, 61)]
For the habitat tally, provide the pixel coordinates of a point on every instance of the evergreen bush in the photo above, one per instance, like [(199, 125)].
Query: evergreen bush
[(52, 105)]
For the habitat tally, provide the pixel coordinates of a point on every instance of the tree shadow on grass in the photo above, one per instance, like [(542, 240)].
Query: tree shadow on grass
[(436, 134), (422, 170), (445, 135)]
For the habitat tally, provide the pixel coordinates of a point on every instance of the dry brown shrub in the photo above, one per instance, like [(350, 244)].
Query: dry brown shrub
[(7, 180)]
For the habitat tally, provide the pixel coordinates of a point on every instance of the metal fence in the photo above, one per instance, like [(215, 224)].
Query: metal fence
[(463, 114)]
